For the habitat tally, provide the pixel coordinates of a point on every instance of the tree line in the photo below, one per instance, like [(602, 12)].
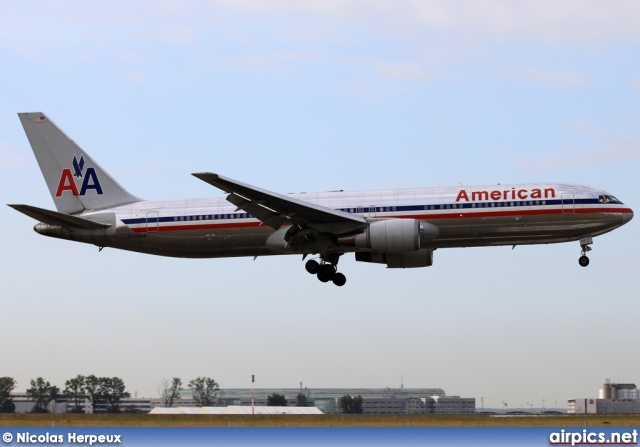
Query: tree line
[(99, 390), (110, 391), (203, 390)]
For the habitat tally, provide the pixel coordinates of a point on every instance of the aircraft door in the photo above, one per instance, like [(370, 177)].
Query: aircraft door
[(568, 204), (152, 221)]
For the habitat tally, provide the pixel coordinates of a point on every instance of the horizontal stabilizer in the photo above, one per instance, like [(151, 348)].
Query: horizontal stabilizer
[(55, 218)]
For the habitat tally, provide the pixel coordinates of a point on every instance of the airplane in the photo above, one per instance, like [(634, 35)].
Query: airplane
[(400, 228)]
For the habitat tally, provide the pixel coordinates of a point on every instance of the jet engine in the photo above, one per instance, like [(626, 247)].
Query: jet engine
[(392, 236)]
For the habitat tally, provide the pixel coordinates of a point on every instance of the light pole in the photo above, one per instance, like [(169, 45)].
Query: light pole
[(253, 379)]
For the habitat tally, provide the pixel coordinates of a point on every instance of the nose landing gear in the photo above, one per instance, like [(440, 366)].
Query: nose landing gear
[(585, 245), (327, 271)]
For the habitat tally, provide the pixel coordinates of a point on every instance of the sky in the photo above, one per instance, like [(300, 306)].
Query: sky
[(299, 96)]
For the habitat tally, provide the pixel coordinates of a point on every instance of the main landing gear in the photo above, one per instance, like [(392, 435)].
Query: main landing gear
[(584, 243), (327, 270)]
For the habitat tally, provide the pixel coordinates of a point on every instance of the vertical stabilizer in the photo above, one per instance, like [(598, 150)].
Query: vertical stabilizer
[(75, 181)]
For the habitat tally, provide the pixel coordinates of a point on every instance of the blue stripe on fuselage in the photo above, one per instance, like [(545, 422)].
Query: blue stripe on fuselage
[(381, 209)]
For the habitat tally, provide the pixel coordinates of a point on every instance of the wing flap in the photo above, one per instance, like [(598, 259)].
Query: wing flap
[(56, 218), (264, 214)]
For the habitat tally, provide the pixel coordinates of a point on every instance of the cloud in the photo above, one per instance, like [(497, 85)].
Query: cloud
[(555, 78), (590, 22), (570, 21), (175, 33), (134, 76), (402, 71), (284, 60), (610, 149), (320, 32)]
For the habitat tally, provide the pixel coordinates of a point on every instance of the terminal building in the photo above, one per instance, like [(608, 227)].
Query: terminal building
[(327, 400), (613, 398)]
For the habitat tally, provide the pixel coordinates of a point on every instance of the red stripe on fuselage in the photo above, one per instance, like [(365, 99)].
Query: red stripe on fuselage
[(452, 214), (155, 229)]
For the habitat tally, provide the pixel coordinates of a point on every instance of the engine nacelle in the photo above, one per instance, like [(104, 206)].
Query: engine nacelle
[(277, 243), (414, 259), (392, 236)]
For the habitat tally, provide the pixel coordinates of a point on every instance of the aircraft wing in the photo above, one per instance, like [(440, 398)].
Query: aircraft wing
[(56, 218), (275, 209)]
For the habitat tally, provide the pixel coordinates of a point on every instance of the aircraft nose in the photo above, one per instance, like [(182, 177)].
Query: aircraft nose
[(626, 217)]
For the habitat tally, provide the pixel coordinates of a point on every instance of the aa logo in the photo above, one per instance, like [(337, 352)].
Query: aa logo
[(68, 179)]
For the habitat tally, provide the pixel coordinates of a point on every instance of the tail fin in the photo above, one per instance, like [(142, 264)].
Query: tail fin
[(75, 181)]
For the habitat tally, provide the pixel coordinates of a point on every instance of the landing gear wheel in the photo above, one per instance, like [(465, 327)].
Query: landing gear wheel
[(339, 279), (328, 270), (312, 267), (585, 243)]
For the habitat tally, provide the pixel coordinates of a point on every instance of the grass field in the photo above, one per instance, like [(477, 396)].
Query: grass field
[(414, 420)]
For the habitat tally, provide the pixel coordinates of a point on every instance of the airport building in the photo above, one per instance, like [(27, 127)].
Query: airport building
[(327, 400), (614, 398), (63, 405)]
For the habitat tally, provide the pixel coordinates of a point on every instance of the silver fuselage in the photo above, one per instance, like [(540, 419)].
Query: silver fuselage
[(465, 217)]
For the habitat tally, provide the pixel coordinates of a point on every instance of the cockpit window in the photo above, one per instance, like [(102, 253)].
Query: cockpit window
[(605, 198)]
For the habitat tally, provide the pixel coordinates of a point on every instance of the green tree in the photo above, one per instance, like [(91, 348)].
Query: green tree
[(113, 390), (301, 400), (42, 392), (93, 390), (276, 400), (170, 391), (351, 405), (75, 391), (204, 390), (7, 384)]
